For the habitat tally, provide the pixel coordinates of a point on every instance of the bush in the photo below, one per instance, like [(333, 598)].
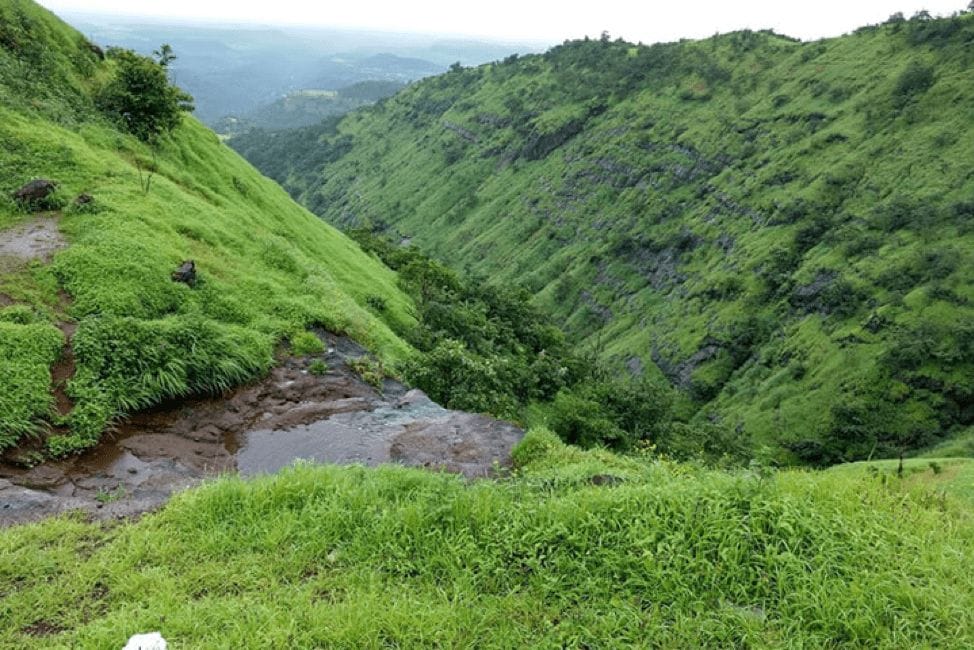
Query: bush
[(140, 97), (370, 370), (318, 367), (915, 80), (616, 413)]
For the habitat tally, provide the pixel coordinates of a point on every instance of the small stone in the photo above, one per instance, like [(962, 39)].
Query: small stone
[(186, 273)]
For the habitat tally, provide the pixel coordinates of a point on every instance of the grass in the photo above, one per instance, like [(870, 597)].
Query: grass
[(267, 267), (661, 200), (664, 556)]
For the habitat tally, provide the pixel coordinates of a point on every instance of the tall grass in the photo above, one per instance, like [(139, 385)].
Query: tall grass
[(663, 556)]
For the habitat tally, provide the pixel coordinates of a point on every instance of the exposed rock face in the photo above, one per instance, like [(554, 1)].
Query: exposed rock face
[(35, 193), (186, 273)]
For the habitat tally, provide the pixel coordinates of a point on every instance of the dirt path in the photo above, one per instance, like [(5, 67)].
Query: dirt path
[(290, 415)]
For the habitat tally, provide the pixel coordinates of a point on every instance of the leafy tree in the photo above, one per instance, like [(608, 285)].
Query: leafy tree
[(140, 97)]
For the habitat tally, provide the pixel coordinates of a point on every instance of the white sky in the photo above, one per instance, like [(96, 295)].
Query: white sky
[(536, 20)]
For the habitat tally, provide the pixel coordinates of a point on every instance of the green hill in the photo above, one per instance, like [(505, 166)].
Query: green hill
[(783, 229), (570, 548), (267, 268)]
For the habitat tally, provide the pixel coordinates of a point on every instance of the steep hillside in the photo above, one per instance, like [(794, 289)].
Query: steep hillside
[(784, 229), (85, 273)]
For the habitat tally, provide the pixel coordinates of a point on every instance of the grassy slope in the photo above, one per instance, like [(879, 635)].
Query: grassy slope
[(671, 557), (269, 267), (700, 193)]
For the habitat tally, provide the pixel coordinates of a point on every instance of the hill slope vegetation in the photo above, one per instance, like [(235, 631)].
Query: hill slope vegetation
[(784, 229), (131, 212)]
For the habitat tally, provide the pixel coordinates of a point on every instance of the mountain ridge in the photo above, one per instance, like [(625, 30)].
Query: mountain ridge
[(782, 228)]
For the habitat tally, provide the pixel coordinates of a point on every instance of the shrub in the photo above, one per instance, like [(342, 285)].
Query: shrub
[(378, 303), (370, 370), (140, 97), (615, 413), (318, 367), (915, 80)]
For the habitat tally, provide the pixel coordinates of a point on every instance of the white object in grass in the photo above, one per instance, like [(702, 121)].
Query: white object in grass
[(150, 641)]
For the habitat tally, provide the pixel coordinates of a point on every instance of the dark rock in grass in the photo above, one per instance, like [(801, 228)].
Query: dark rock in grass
[(84, 199), (35, 193), (97, 51), (606, 479), (186, 273)]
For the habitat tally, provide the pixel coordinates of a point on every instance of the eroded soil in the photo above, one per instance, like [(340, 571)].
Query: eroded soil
[(292, 414)]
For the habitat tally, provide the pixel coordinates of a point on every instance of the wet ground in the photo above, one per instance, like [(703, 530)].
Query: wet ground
[(38, 238), (292, 414)]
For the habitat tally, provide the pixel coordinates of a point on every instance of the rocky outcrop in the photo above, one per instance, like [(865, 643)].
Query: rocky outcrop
[(35, 194)]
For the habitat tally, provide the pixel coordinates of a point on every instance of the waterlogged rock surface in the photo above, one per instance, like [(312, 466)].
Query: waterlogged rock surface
[(290, 415)]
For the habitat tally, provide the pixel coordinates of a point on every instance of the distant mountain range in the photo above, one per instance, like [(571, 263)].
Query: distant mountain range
[(236, 70)]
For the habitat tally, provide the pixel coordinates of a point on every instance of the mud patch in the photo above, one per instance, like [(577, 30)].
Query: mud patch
[(63, 371), (260, 428), (34, 239), (42, 628)]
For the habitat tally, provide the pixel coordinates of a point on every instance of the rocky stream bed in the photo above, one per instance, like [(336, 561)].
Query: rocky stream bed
[(291, 414)]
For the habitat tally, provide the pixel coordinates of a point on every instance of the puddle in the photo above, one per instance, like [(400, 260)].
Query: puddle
[(256, 429)]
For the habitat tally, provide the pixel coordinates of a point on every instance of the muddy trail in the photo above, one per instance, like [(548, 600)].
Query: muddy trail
[(260, 428)]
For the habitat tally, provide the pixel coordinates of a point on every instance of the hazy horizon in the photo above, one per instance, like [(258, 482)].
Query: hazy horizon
[(539, 22)]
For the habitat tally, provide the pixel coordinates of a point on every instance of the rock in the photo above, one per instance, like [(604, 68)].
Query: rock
[(150, 641), (84, 199), (35, 192), (606, 479), (412, 398), (97, 51), (186, 273)]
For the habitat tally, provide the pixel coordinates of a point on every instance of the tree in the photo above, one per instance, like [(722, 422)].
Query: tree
[(164, 55), (140, 97)]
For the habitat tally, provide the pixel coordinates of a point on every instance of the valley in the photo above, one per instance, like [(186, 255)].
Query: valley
[(618, 345), (780, 229)]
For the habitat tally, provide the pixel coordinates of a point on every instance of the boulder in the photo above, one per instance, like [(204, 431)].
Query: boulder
[(35, 192), (186, 273)]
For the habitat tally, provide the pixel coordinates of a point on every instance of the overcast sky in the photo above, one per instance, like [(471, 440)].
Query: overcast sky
[(536, 20)]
